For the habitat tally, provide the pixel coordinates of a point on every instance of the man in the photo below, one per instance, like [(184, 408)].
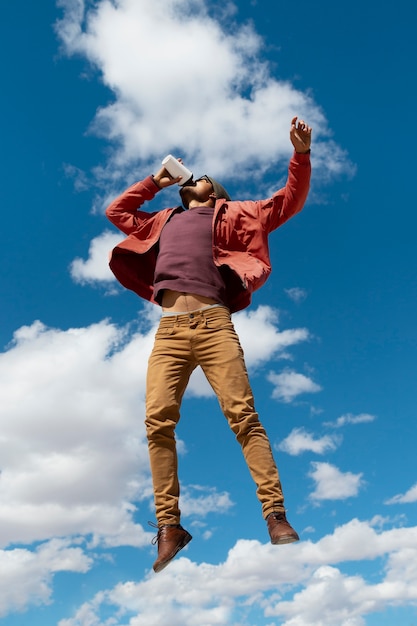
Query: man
[(200, 263)]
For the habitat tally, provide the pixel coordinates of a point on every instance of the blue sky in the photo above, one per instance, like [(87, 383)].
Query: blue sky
[(94, 97)]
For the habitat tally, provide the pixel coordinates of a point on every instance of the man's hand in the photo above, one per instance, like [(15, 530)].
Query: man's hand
[(300, 135), (164, 179)]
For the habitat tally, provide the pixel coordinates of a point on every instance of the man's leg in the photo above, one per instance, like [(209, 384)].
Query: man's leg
[(169, 368), (220, 355)]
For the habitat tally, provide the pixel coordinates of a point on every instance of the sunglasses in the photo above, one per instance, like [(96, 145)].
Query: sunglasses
[(205, 177)]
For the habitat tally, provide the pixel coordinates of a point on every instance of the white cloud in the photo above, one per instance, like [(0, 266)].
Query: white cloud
[(299, 441), (72, 441), (349, 418), (296, 294), (308, 589), (96, 267), (330, 598), (332, 484), (201, 501), (289, 384), (404, 498), (175, 68), (260, 337), (26, 577)]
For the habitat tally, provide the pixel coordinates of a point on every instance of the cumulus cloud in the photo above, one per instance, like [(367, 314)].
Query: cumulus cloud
[(289, 384), (178, 67), (332, 484), (404, 498), (309, 588), (330, 598), (72, 446), (196, 499), (299, 440), (96, 267), (349, 418), (261, 338), (26, 577)]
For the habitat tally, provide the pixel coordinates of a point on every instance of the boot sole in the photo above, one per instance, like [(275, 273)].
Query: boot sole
[(285, 539)]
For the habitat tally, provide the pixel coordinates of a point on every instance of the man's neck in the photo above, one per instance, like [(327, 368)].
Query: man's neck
[(195, 203)]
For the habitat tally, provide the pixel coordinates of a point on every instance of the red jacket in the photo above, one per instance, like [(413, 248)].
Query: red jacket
[(240, 233)]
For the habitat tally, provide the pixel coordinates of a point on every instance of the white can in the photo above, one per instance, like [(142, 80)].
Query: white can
[(175, 168)]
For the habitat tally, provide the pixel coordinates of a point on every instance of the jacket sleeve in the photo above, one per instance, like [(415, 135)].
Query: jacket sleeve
[(290, 199), (123, 211)]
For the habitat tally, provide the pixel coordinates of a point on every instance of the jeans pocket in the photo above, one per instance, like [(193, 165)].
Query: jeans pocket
[(165, 330), (219, 323)]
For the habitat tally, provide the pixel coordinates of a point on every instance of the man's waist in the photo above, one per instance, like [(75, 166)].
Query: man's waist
[(182, 302)]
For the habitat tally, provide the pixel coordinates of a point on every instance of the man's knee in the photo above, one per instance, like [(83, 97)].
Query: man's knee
[(161, 423)]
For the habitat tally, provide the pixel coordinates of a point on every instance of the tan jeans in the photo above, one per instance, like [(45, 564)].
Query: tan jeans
[(207, 338)]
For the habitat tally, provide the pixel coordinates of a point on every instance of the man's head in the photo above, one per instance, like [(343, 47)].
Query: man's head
[(203, 190)]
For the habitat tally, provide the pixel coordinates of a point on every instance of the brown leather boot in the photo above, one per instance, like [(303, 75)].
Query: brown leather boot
[(279, 529), (170, 539)]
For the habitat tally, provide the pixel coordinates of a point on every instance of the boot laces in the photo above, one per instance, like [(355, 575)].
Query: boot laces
[(156, 538), (160, 528)]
